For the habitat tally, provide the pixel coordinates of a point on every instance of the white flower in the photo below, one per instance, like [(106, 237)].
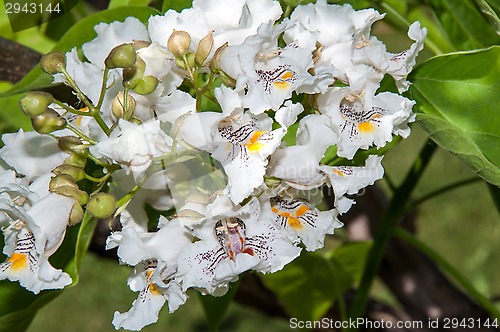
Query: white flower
[(231, 21), (31, 154), (154, 256), (271, 73), (371, 51), (362, 119), (303, 220), (134, 146), (155, 284), (351, 179), (231, 243), (33, 236), (298, 165), (246, 144)]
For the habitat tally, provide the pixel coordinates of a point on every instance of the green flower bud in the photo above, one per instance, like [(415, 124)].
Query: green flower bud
[(122, 56), (53, 62), (214, 63), (72, 145), (35, 103), (62, 180), (48, 122), (80, 196), (76, 173), (204, 47), (101, 205), (76, 215), (133, 75), (190, 59), (146, 85), (178, 43), (118, 105), (76, 160)]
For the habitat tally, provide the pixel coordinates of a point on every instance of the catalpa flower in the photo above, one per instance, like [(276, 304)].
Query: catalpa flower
[(304, 221), (298, 165), (153, 255), (271, 73), (231, 243), (134, 146), (32, 237), (351, 179), (363, 119)]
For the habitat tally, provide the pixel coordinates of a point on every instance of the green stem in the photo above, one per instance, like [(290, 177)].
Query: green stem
[(450, 269), (441, 191), (103, 87), (394, 212), (80, 134), (70, 109)]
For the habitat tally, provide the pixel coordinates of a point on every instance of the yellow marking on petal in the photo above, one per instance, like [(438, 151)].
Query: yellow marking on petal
[(281, 85), (18, 261), (339, 173), (153, 289), (301, 210), (295, 223), (254, 145), (287, 75), (275, 210), (79, 120), (365, 127)]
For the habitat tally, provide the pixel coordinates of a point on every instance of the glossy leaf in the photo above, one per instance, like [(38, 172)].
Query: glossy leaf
[(120, 3), (349, 260), (79, 34), (307, 286), (465, 26), (458, 97), (177, 5)]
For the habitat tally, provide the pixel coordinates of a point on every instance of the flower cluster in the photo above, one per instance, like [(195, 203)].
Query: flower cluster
[(224, 118)]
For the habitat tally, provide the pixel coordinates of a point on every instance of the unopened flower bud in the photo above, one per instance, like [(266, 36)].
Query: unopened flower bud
[(214, 63), (76, 173), (53, 62), (138, 44), (122, 56), (62, 180), (119, 105), (76, 160), (80, 196), (101, 205), (178, 43), (35, 103), (133, 75), (146, 86), (48, 121), (72, 145), (204, 48), (76, 215), (227, 80)]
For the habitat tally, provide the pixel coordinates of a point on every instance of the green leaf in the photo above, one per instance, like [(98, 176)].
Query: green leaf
[(307, 286), (466, 27), (120, 3), (176, 5), (79, 34), (18, 306), (349, 260), (458, 96), (215, 308)]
